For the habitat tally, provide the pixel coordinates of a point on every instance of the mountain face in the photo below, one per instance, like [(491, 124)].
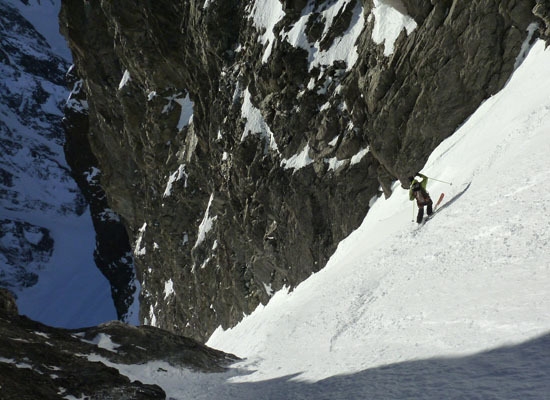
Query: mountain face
[(240, 141), (28, 105), (45, 225)]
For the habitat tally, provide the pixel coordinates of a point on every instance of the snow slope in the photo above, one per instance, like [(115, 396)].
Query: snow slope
[(457, 308), (473, 278)]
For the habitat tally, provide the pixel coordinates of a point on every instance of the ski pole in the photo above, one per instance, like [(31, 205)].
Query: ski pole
[(437, 180)]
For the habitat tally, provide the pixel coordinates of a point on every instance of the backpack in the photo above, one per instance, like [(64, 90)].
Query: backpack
[(421, 195)]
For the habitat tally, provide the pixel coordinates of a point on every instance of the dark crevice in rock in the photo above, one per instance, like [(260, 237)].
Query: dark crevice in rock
[(112, 253)]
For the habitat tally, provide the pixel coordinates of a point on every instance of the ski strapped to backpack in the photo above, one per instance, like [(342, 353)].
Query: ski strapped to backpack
[(439, 201)]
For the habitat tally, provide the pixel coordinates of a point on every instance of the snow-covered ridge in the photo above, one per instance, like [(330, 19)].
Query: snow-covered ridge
[(43, 17)]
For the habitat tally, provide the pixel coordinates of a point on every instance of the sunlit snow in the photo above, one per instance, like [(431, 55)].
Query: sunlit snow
[(206, 223), (103, 341), (168, 288), (124, 80), (265, 15), (359, 156), (139, 248), (456, 308), (298, 161), (390, 19), (333, 163), (255, 123), (474, 278), (173, 178)]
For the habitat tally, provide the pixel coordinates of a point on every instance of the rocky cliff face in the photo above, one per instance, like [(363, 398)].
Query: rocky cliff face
[(240, 141)]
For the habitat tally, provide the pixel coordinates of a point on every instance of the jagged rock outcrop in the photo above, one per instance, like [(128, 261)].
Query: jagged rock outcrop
[(461, 53), (7, 303), (542, 10), (241, 141), (40, 362)]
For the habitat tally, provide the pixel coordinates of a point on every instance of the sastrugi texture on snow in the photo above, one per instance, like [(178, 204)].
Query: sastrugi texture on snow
[(240, 141)]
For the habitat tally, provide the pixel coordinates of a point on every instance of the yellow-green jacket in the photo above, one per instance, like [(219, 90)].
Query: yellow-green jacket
[(423, 184)]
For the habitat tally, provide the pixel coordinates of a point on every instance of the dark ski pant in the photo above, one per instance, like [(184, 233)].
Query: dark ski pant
[(421, 210)]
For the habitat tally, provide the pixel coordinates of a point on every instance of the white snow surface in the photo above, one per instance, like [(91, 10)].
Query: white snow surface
[(103, 341), (174, 177), (474, 278), (168, 288), (206, 223), (255, 123), (140, 250), (390, 19), (359, 156), (265, 14), (125, 79), (298, 161)]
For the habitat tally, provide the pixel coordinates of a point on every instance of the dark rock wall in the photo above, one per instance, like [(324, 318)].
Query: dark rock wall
[(217, 215), (542, 10), (460, 54)]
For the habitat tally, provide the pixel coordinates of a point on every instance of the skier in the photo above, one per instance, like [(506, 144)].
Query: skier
[(418, 191)]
